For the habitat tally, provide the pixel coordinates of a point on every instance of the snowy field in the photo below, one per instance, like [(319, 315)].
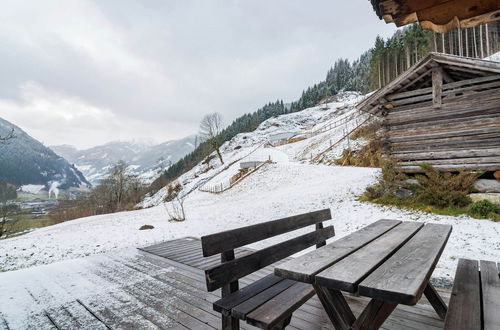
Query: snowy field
[(276, 191)]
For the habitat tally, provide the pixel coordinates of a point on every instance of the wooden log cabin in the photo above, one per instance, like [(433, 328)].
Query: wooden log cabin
[(444, 111)]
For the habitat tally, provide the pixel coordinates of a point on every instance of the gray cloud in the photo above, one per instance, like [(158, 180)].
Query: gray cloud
[(87, 72)]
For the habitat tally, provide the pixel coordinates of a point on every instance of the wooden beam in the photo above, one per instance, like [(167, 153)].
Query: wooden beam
[(437, 87)]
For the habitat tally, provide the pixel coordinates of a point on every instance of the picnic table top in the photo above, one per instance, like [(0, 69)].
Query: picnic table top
[(389, 260)]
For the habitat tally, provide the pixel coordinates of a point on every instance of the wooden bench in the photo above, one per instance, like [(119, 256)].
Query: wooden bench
[(475, 298), (267, 303)]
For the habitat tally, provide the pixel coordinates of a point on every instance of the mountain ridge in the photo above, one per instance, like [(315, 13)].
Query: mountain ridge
[(144, 159), (26, 161)]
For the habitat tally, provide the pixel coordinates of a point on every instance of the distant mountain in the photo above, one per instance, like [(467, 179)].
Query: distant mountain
[(26, 161), (144, 159)]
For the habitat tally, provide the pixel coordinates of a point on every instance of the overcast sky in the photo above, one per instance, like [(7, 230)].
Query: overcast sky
[(87, 72)]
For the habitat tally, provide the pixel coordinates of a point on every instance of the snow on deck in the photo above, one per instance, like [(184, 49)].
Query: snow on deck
[(128, 289), (277, 190)]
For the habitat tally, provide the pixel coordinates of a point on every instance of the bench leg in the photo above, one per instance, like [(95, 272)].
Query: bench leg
[(436, 301), (283, 323), (230, 323), (374, 315), (336, 307)]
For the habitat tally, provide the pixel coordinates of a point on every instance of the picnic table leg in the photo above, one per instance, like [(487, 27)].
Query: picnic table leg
[(374, 315), (436, 301), (336, 307)]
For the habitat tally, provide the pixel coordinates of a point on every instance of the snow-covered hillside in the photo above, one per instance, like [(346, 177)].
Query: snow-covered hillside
[(287, 187), (316, 128)]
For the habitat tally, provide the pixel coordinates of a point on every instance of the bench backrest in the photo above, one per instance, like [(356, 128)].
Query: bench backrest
[(226, 274)]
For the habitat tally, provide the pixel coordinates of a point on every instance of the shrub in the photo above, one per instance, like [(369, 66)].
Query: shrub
[(371, 155), (172, 191), (390, 179), (485, 209), (444, 189)]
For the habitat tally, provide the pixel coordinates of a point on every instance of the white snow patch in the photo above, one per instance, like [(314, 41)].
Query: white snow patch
[(31, 188), (495, 57)]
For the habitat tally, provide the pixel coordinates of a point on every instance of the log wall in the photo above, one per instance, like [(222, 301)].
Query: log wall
[(461, 131)]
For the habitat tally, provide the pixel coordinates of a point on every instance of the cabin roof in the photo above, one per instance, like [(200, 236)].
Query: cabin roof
[(455, 68), (438, 15)]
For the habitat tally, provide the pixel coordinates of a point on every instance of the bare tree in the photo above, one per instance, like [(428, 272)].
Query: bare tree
[(210, 128), (8, 210)]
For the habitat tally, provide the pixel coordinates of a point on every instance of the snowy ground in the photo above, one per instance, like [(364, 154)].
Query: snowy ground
[(274, 191), (277, 190)]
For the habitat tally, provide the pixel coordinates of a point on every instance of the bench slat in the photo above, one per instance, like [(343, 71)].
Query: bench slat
[(230, 239), (279, 308), (464, 311), (403, 277), (490, 284), (235, 269), (246, 307), (305, 267), (349, 272), (225, 304)]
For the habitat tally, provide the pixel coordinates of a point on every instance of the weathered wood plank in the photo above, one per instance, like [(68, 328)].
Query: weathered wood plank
[(452, 167), (490, 287), (478, 118), (464, 161), (403, 277), (491, 140), (347, 273), (464, 311), (235, 269), (305, 267), (434, 155), (227, 240), (472, 122), (437, 87), (448, 86), (241, 310), (278, 308), (225, 304), (443, 135)]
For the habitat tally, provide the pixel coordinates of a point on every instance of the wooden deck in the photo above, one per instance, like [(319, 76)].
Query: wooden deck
[(158, 287)]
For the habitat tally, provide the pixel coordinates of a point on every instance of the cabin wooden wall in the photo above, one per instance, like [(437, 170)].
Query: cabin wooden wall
[(463, 132)]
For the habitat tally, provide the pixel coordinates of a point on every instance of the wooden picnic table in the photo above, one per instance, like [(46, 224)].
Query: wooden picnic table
[(388, 261)]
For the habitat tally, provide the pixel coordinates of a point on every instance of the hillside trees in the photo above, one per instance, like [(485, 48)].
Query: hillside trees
[(407, 46), (8, 209), (121, 190)]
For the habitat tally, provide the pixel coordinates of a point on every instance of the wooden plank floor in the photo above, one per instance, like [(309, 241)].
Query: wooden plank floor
[(158, 287)]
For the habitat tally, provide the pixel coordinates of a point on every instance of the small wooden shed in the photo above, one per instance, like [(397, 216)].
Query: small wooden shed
[(444, 111)]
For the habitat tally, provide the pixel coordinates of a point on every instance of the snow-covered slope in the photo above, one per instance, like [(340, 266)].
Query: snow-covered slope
[(145, 160), (288, 187), (316, 128)]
